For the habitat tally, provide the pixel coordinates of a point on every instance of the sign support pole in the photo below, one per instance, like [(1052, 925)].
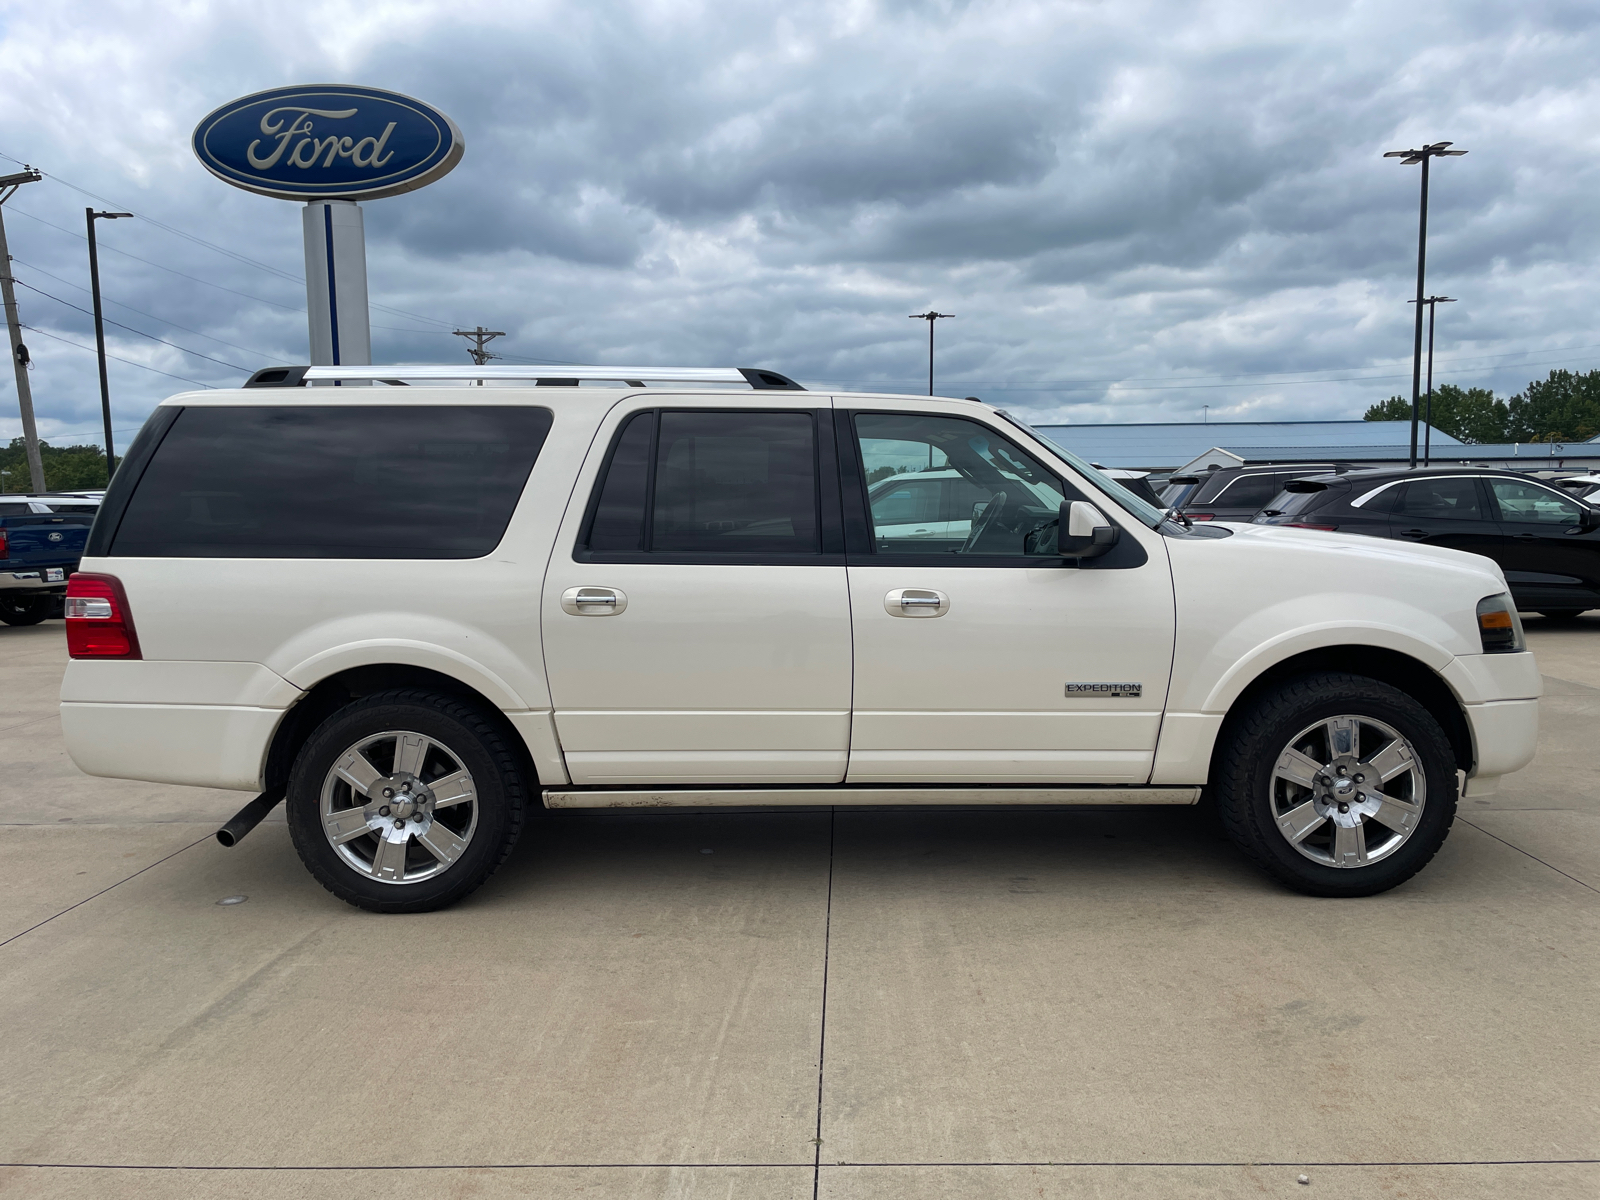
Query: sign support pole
[(336, 284)]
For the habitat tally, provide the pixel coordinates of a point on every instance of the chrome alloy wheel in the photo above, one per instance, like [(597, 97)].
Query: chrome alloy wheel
[(399, 807), (1348, 791)]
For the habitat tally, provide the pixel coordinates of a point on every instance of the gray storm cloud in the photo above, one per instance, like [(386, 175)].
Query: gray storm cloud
[(1134, 210)]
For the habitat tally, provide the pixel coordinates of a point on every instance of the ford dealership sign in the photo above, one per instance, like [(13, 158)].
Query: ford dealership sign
[(331, 140)]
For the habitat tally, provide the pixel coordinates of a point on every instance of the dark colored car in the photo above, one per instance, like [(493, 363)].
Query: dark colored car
[(1546, 541), (1235, 493)]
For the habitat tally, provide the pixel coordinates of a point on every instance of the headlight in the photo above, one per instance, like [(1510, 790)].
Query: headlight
[(1499, 627)]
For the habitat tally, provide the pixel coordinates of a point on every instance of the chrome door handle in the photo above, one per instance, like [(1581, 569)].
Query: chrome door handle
[(916, 602), (593, 601)]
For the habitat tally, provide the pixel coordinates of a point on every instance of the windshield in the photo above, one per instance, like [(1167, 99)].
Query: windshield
[(1147, 513)]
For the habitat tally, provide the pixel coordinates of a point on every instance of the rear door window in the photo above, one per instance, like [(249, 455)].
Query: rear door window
[(1448, 498), (341, 481), (709, 485)]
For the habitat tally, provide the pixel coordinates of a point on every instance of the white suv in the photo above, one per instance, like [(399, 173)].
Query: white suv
[(412, 611)]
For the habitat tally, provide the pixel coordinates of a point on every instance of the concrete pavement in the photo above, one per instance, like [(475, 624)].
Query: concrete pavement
[(1057, 1004)]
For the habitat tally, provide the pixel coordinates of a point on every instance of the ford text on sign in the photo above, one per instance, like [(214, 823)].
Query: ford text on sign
[(332, 140)]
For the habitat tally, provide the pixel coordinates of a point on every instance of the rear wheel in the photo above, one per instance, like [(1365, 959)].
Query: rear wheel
[(1337, 785), (25, 610), (405, 801)]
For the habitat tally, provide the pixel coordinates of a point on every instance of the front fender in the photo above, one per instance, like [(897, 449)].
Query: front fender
[(1289, 643)]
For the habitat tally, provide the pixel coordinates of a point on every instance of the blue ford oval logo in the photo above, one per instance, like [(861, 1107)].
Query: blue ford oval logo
[(328, 140)]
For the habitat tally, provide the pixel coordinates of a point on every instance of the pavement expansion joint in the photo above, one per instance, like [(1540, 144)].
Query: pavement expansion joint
[(1520, 850)]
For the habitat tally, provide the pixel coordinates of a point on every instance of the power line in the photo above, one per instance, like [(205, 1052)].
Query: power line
[(129, 361), (121, 304), (206, 282), (233, 254), (131, 329)]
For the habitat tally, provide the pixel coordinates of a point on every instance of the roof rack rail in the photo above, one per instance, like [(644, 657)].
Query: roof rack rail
[(399, 374)]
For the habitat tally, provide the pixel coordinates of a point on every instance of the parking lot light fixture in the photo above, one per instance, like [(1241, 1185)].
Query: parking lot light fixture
[(1411, 158)]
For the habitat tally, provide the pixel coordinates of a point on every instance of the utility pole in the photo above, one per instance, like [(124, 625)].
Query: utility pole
[(479, 337), (19, 353), (930, 317), (1411, 158), (1427, 438), (90, 217)]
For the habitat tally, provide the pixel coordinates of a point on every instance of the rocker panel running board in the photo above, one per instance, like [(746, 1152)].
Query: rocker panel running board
[(756, 797)]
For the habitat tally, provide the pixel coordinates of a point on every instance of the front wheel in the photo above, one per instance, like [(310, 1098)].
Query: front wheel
[(405, 801), (1337, 785), (25, 610)]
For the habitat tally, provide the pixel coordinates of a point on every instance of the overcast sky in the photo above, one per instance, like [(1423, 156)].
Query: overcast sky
[(1134, 210)]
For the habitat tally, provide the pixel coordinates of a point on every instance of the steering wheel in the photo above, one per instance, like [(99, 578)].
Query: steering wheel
[(991, 514)]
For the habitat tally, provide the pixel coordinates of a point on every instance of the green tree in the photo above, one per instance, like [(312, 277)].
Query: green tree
[(66, 468), (1562, 408), (1471, 414)]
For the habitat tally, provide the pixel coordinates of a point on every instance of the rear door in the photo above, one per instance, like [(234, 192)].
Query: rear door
[(696, 620), (1445, 510), (1548, 558), (979, 659)]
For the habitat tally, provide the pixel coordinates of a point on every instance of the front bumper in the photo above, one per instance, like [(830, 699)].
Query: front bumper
[(45, 579), (1504, 736)]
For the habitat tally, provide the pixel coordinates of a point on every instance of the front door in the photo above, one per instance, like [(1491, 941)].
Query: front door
[(979, 659), (696, 621), (1550, 560)]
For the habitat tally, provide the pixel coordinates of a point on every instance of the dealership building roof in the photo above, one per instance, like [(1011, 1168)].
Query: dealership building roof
[(1168, 445)]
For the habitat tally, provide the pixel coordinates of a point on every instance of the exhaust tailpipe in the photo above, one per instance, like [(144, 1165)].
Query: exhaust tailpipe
[(248, 817)]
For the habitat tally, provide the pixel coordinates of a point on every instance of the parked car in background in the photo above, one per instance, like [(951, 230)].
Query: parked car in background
[(1238, 493), (1137, 482), (41, 540), (1585, 487), (1546, 540)]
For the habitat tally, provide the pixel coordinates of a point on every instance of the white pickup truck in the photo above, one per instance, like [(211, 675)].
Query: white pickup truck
[(413, 612)]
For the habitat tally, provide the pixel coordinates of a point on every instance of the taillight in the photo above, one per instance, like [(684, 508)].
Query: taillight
[(5, 545), (1308, 525), (1201, 516), (99, 624)]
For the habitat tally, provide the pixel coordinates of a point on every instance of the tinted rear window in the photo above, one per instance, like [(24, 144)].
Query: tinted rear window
[(1249, 491), (1290, 504), (337, 482)]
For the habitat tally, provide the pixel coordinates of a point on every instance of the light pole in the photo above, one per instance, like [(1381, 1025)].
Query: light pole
[(1427, 438), (1410, 158), (930, 317), (90, 217)]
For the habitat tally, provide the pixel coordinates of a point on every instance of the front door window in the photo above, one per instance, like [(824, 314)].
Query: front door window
[(943, 485)]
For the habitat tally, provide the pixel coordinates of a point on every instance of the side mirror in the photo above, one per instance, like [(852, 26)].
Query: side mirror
[(1084, 531), (1588, 518)]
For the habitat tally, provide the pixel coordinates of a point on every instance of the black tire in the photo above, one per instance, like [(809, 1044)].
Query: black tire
[(460, 731), (1562, 614), (25, 610), (1244, 784)]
